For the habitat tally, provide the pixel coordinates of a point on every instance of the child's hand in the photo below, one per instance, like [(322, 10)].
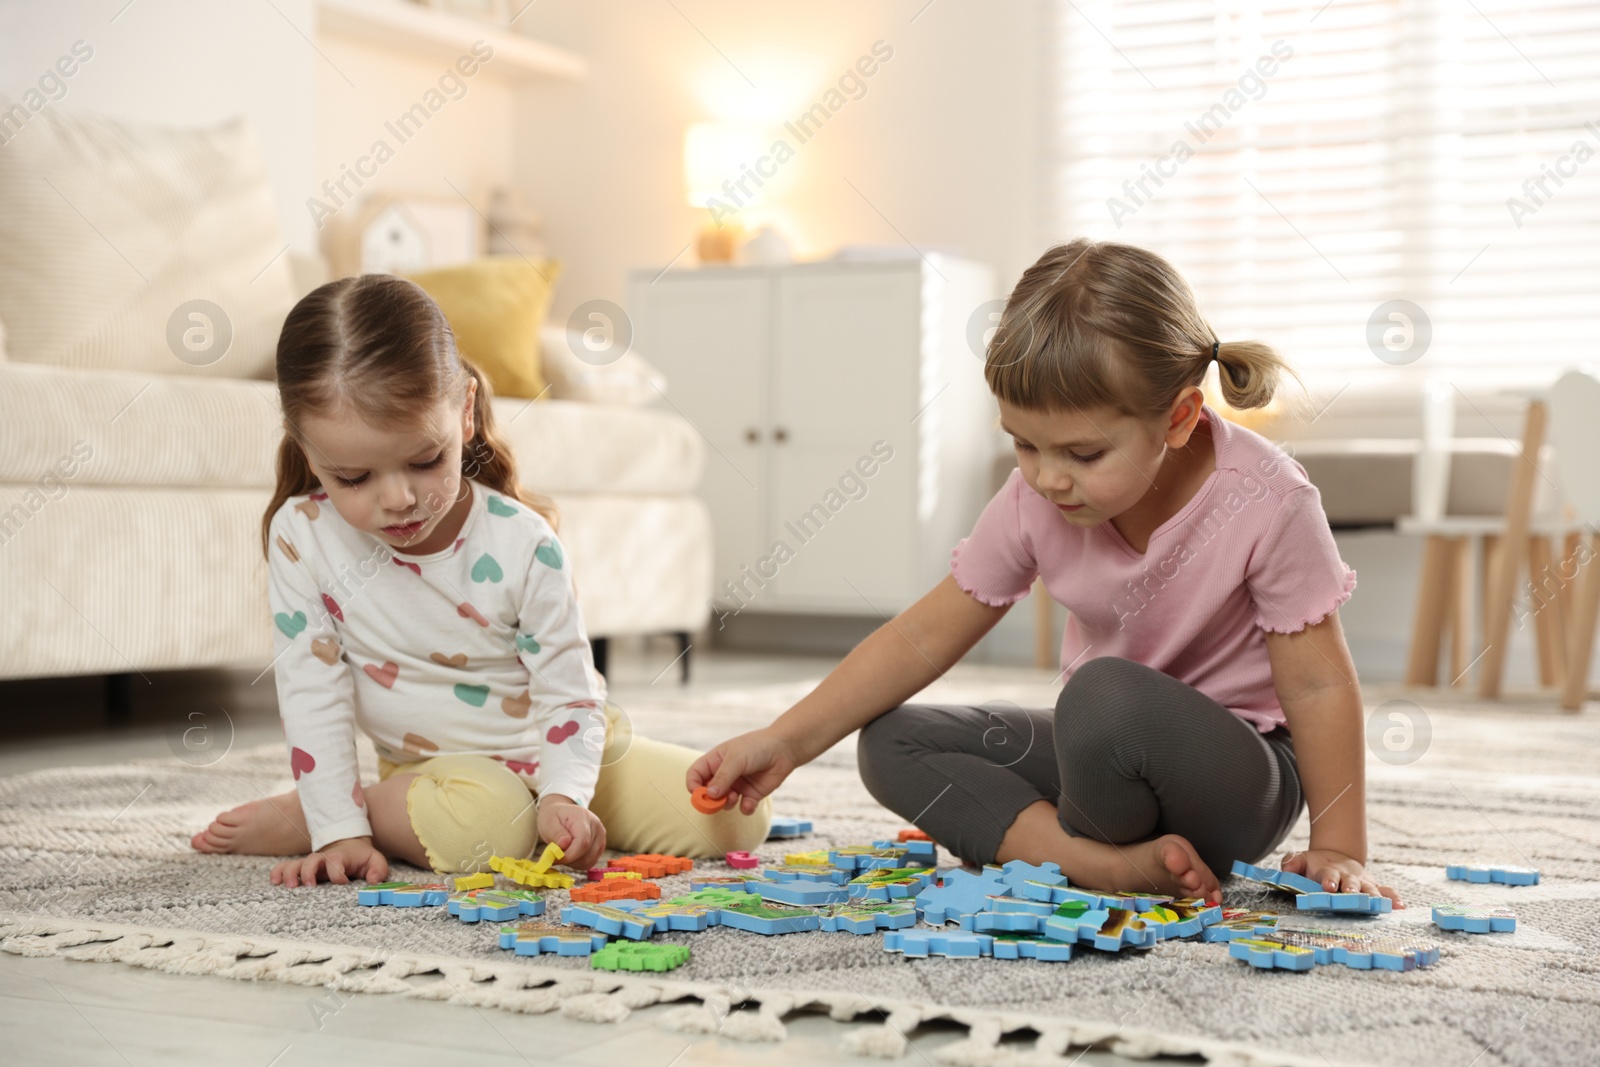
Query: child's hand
[(1337, 872), (353, 857), (575, 829), (750, 766)]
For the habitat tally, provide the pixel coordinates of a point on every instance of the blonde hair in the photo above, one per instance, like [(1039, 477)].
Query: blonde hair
[(1099, 324), (379, 346)]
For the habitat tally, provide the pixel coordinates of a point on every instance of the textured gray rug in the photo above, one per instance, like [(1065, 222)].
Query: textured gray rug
[(95, 864)]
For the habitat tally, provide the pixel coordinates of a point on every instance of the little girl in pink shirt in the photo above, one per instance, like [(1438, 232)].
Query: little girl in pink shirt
[(1209, 694)]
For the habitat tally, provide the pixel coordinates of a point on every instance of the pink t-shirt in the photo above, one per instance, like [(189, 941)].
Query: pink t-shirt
[(1250, 552)]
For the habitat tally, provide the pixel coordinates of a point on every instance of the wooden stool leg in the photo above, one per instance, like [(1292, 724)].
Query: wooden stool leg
[(1541, 605), (1044, 630), (1566, 575), (1497, 601), (1580, 635), (1458, 587), (1428, 623)]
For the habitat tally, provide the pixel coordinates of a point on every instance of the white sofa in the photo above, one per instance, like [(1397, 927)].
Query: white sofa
[(132, 481), (130, 510)]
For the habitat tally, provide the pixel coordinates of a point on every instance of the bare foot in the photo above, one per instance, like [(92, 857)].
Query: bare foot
[(1167, 865), (271, 827)]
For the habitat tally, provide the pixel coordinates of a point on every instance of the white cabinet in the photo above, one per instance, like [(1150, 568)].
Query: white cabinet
[(851, 433)]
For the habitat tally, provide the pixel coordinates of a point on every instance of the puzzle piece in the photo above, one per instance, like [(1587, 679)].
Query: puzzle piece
[(800, 892), (1360, 952), (1240, 922), (403, 894), (625, 956), (956, 944), (692, 912), (528, 873), (1474, 920), (761, 918), (787, 873), (1293, 883), (1181, 918), (866, 916), (785, 827), (494, 905), (705, 803), (1107, 929), (918, 853), (890, 883), (548, 857), (481, 880), (597, 874), (959, 894), (860, 858), (743, 861), (1010, 915), (1016, 873), (653, 864), (1025, 946), (1344, 903), (1061, 892), (1502, 875), (615, 889), (912, 834), (616, 918), (819, 858), (737, 883), (545, 936), (1270, 955)]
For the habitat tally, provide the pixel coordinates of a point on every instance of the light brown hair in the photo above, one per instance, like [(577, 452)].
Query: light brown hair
[(378, 346), (1099, 324)]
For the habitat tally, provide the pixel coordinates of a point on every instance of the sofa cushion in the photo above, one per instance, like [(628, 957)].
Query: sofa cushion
[(140, 429), (113, 230), (495, 306)]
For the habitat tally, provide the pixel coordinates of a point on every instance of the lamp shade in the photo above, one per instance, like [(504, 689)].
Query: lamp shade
[(715, 153)]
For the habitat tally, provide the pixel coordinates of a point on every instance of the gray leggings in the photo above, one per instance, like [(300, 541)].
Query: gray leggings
[(1129, 753)]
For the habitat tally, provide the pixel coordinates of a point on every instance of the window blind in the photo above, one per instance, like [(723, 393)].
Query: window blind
[(1442, 152)]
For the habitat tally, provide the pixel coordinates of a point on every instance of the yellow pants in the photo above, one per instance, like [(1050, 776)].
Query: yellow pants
[(465, 809)]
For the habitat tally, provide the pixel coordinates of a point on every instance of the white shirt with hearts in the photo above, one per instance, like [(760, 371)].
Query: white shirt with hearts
[(477, 649)]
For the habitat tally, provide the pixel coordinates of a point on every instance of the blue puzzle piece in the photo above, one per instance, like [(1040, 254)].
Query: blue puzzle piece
[(961, 893), (786, 873), (616, 918), (859, 858), (1474, 920), (758, 917), (1021, 946), (494, 905), (1361, 952), (890, 884), (1009, 915), (744, 882), (957, 944), (783, 827), (865, 917), (1237, 922), (1502, 875), (1344, 903), (403, 894), (1107, 929), (918, 853), (1016, 874), (803, 894), (1269, 955), (1294, 883), (544, 937), (1181, 918)]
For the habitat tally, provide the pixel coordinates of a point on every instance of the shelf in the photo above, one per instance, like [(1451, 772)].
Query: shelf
[(436, 34)]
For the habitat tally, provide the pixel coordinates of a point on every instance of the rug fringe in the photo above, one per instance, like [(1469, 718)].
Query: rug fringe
[(744, 1015)]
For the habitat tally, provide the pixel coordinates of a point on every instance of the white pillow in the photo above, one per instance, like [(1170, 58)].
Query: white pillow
[(629, 380), (110, 227)]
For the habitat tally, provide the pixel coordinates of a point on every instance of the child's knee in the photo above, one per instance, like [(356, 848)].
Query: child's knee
[(470, 809), (882, 746)]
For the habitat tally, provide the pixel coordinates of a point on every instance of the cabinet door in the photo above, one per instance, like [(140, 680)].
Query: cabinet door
[(845, 373), (709, 334)]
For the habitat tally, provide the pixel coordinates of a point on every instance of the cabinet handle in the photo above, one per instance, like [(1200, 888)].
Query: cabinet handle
[(752, 436), (780, 435)]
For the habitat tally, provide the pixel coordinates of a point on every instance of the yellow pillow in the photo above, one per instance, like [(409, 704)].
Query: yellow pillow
[(495, 306)]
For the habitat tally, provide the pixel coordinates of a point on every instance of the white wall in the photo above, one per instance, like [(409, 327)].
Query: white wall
[(940, 146), (186, 62)]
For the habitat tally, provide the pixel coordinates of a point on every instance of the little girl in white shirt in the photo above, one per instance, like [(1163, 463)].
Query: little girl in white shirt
[(418, 593)]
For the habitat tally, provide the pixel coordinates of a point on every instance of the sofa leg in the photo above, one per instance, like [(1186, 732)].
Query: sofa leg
[(683, 653), (599, 646), (119, 699)]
